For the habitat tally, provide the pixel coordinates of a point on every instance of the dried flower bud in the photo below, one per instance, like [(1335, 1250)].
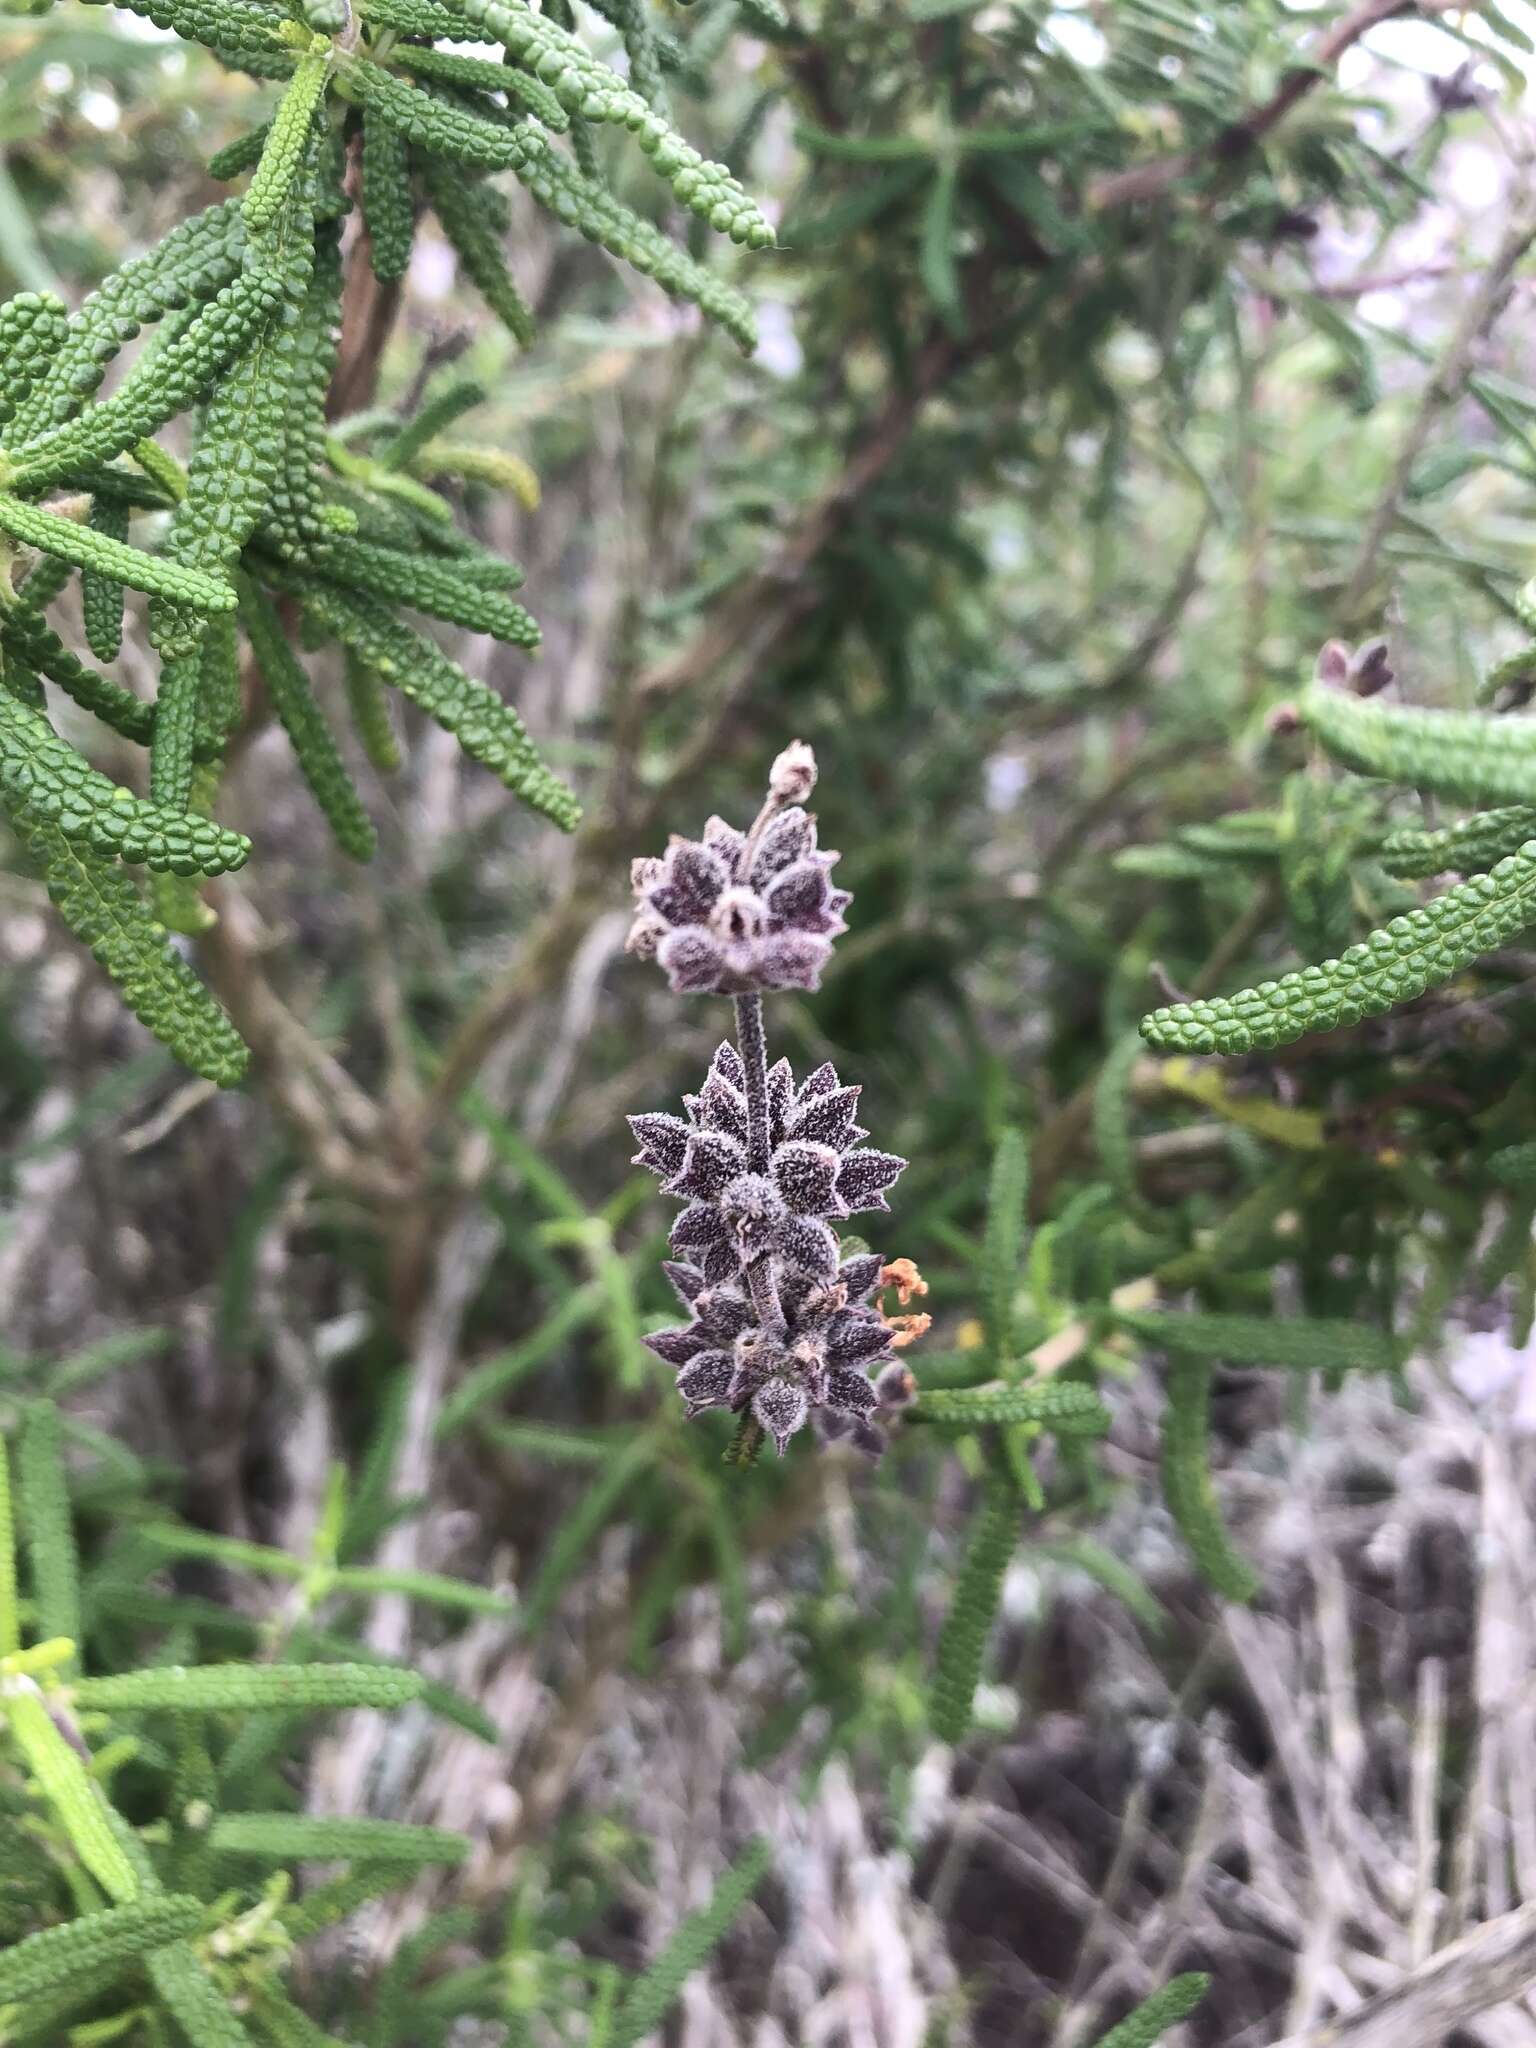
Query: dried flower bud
[(793, 775), (1293, 224), (1457, 90), (1333, 663), (1370, 670), (905, 1330), (902, 1274), (1365, 671)]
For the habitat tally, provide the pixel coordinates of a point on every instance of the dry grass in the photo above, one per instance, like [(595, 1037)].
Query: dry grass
[(1329, 1802)]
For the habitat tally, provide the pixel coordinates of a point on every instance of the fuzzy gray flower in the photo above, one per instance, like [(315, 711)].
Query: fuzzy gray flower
[(738, 912)]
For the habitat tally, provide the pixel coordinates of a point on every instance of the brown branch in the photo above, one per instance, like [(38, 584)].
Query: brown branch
[(339, 1126), (1492, 1964), (1450, 374), (767, 605), (1240, 137), (1388, 281), (369, 310)]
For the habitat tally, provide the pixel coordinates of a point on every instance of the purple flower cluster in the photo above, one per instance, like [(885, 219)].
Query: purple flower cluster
[(817, 1170), (784, 1328), (735, 912), (814, 1359)]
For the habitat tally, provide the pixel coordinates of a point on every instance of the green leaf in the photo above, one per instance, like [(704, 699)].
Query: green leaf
[(90, 548), (106, 1942), (288, 139), (439, 412), (1417, 951), (454, 1594), (994, 1536), (158, 387), (10, 1616), (388, 205), (195, 2002), (1295, 1343), (27, 638), (588, 88), (196, 260), (936, 251), (47, 1522), (653, 1994), (243, 154), (1066, 1406), (101, 597), (46, 784), (1465, 848), (1469, 755), (370, 715), (62, 1780), (32, 330), (484, 74), (252, 418), (283, 2023), (441, 1699), (329, 1904), (1187, 1484), (248, 1688), (1003, 1244), (582, 203), (310, 1838), (1164, 2009), (175, 1541), (475, 242), (436, 587), (1112, 1116), (101, 906), (1514, 1166), (178, 703), (313, 743), (487, 728)]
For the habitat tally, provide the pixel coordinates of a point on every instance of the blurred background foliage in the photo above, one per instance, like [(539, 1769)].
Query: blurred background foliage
[(1110, 364)]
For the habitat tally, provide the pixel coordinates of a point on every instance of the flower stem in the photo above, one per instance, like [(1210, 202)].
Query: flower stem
[(752, 1043), (764, 1290), (743, 1448)]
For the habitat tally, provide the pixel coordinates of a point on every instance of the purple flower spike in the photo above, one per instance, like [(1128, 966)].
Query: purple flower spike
[(820, 1365), (783, 1330)]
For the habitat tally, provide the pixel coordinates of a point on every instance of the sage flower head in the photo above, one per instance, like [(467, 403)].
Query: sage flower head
[(817, 1368), (785, 1327), (735, 913), (819, 1172)]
